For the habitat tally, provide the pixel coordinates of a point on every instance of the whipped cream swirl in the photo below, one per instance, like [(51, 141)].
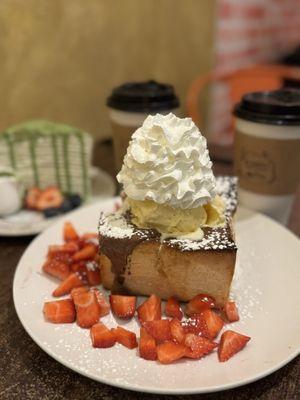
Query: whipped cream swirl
[(167, 161)]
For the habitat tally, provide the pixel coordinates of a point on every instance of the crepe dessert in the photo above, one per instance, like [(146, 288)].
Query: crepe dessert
[(173, 234)]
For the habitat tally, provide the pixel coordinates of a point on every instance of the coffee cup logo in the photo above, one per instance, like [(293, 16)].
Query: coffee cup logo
[(257, 166)]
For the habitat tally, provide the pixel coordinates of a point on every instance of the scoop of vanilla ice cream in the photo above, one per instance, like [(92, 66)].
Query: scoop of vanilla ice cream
[(167, 162)]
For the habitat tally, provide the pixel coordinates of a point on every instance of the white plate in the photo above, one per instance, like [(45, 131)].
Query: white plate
[(266, 287), (27, 222)]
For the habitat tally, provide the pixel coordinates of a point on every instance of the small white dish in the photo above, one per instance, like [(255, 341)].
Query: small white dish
[(266, 288), (26, 222)]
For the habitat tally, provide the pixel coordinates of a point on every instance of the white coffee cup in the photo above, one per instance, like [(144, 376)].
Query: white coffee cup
[(10, 193), (267, 151)]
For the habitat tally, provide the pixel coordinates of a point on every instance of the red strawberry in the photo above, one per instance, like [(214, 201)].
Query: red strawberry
[(89, 235), (177, 330), (93, 273), (231, 311), (198, 346), (169, 352), (79, 267), (72, 281), (159, 329), (68, 248), (69, 232), (123, 306), (147, 346), (81, 289), (59, 311), (50, 197), (194, 325), (173, 309), (88, 252), (104, 306), (125, 337), (213, 324), (32, 197), (56, 268), (150, 310), (200, 303), (101, 336), (87, 309), (231, 342)]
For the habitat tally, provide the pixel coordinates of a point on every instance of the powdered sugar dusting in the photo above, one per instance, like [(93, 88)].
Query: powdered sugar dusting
[(115, 226), (227, 188)]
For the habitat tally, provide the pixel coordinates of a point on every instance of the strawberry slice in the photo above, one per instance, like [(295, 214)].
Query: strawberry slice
[(173, 309), (194, 325), (123, 306), (198, 346), (72, 281), (59, 311), (89, 236), (147, 346), (51, 197), (200, 303), (101, 336), (56, 268), (231, 311), (68, 248), (150, 310), (88, 252), (93, 273), (104, 306), (231, 343), (159, 329), (87, 308), (213, 324), (177, 330), (79, 267), (69, 232), (32, 197), (169, 352), (81, 289), (125, 337)]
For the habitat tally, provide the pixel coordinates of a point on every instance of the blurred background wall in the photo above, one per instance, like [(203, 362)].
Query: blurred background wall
[(61, 58)]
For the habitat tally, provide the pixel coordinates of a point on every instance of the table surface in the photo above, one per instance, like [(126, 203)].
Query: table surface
[(26, 372)]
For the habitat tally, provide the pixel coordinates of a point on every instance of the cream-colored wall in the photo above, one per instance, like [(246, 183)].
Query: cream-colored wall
[(59, 59)]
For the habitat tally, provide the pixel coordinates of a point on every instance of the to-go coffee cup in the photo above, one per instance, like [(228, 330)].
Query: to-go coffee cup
[(267, 151), (129, 105)]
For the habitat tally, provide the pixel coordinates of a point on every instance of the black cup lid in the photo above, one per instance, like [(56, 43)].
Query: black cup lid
[(149, 96), (278, 107)]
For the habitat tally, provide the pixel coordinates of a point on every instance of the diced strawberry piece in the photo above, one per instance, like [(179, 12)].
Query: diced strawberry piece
[(200, 303), (59, 311), (72, 281), (231, 311), (79, 267), (173, 309), (169, 352), (87, 309), (159, 329), (125, 337), (231, 342), (123, 306), (147, 346), (68, 248), (150, 310), (51, 197), (104, 306), (198, 346), (69, 232), (101, 336), (56, 268), (86, 253), (32, 197), (177, 330), (93, 273), (194, 325), (213, 323), (89, 235), (81, 289)]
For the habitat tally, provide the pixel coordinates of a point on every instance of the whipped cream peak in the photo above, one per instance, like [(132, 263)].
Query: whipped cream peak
[(167, 161)]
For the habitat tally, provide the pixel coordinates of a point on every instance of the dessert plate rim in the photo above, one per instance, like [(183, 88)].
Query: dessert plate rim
[(20, 276)]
